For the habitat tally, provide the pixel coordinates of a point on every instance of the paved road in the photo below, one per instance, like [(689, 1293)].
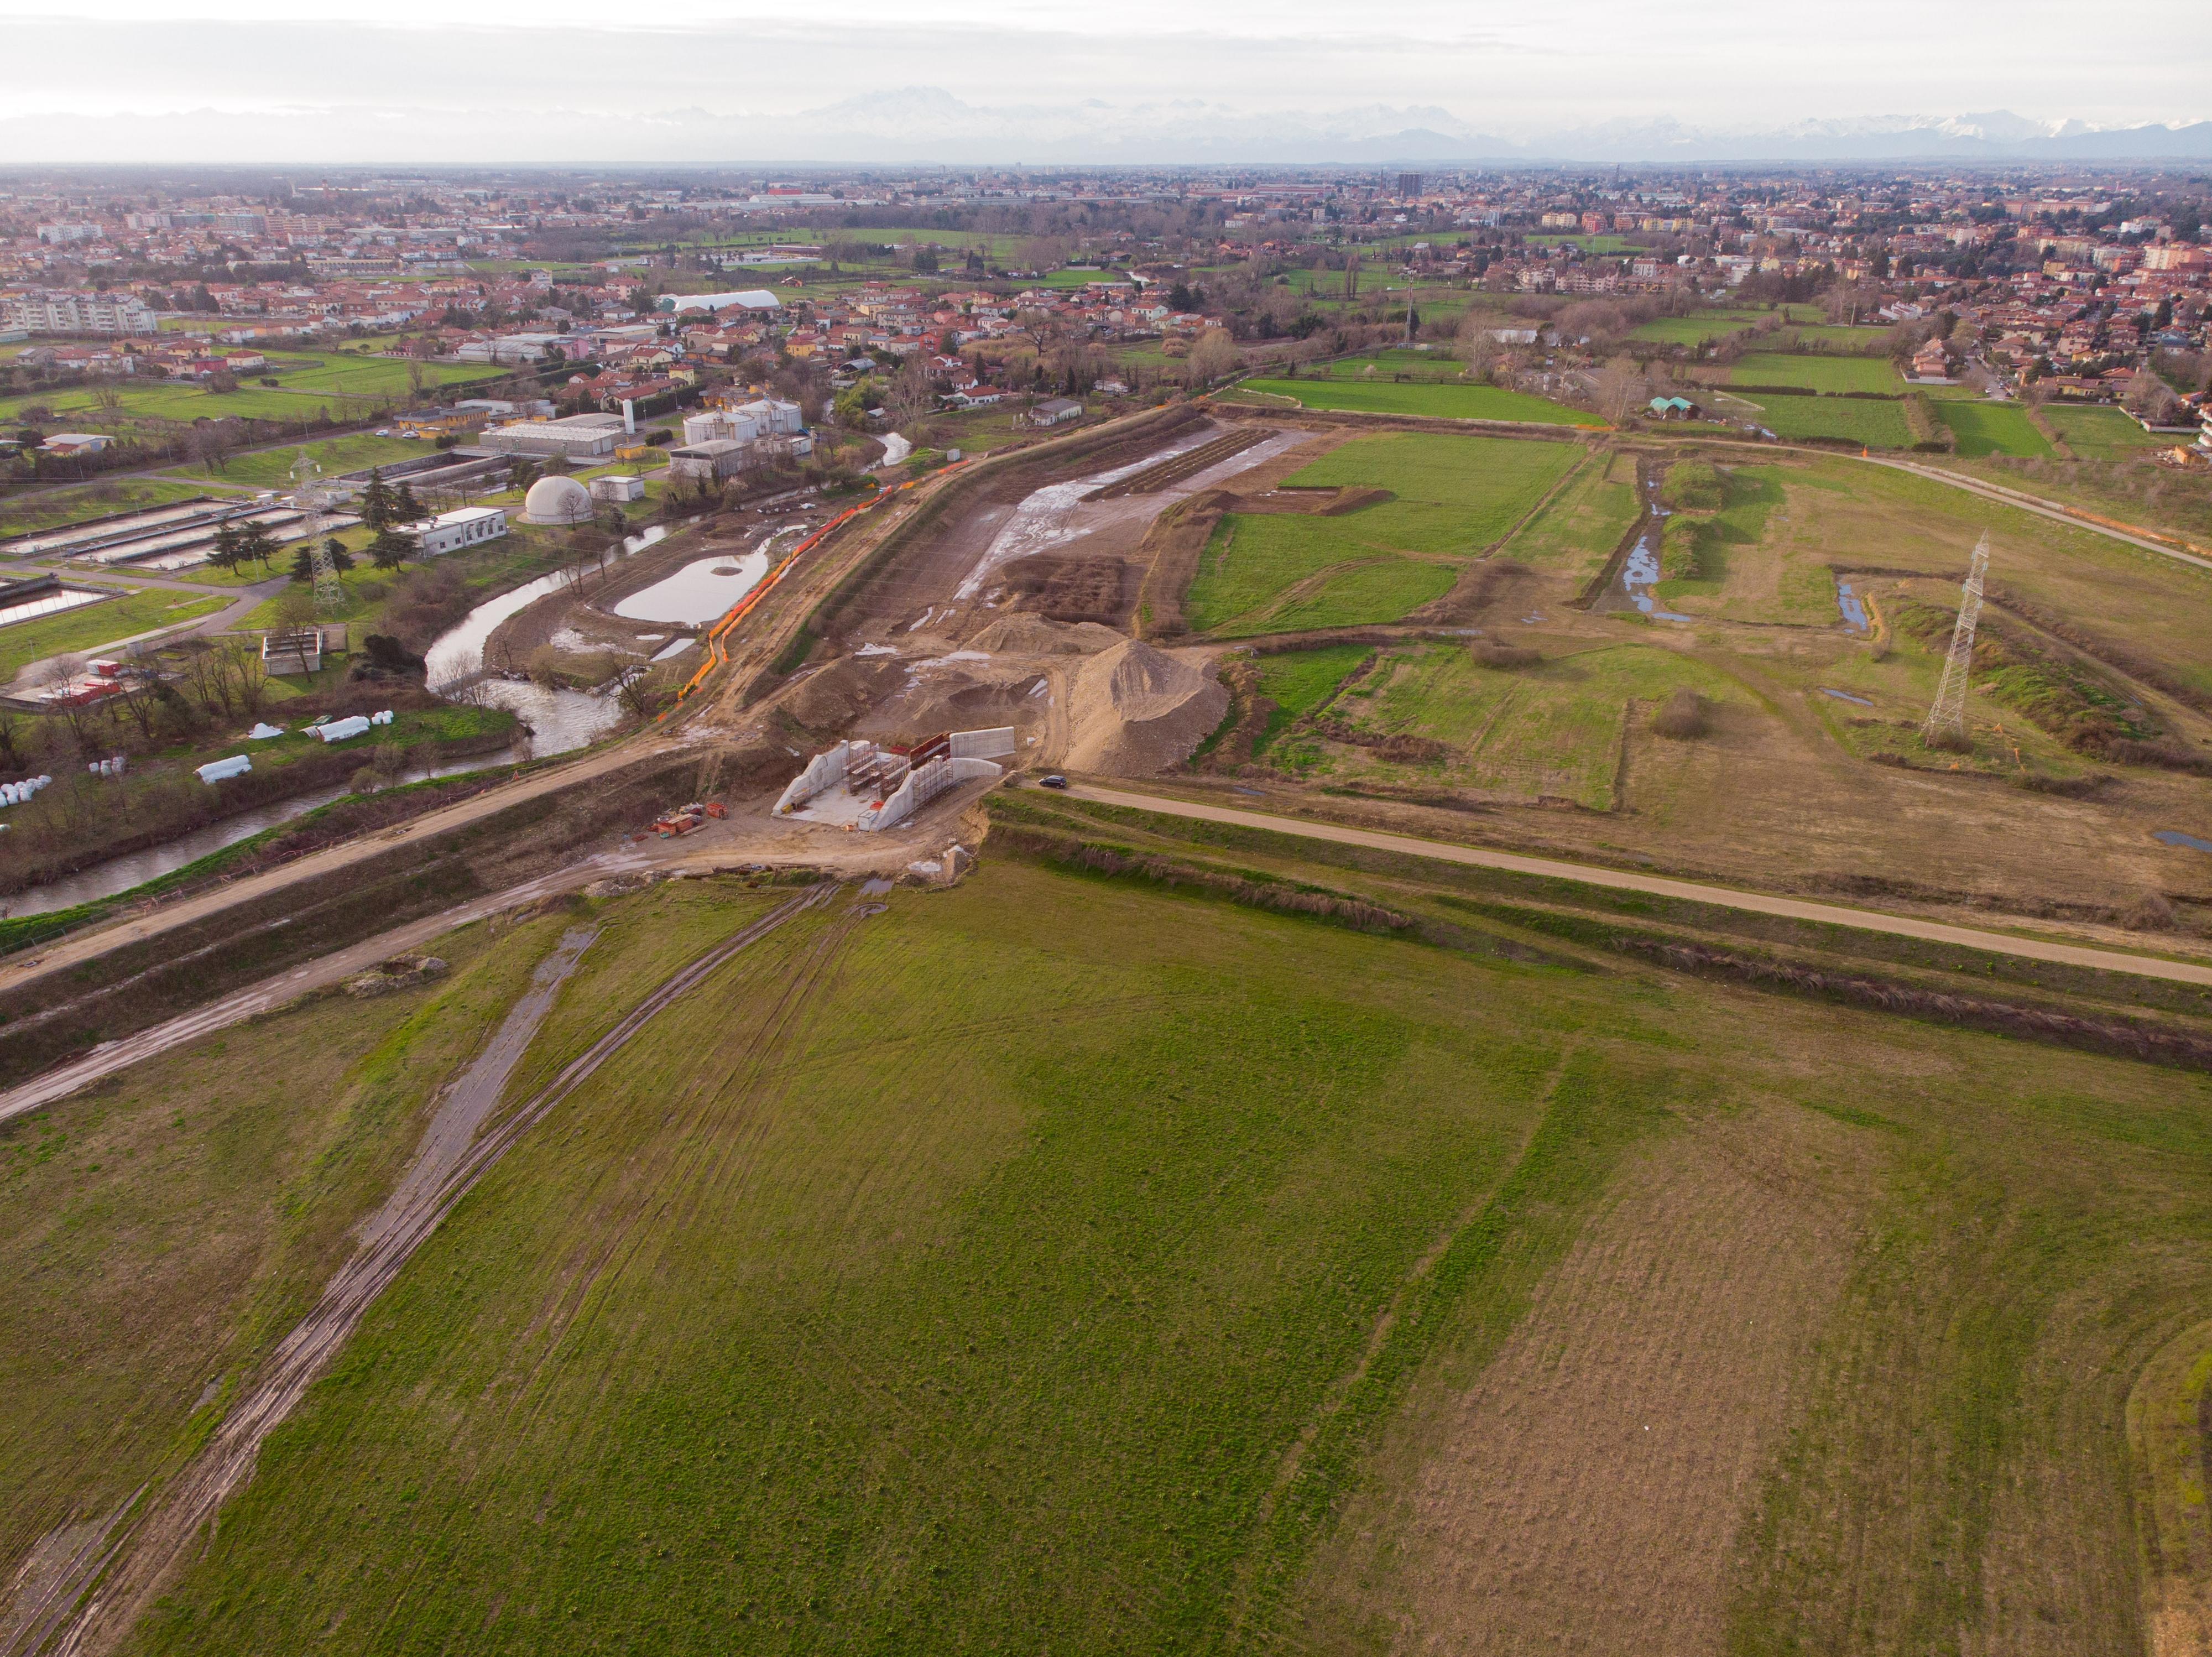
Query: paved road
[(1759, 902)]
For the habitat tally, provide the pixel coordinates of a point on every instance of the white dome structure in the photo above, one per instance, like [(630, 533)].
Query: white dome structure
[(557, 501)]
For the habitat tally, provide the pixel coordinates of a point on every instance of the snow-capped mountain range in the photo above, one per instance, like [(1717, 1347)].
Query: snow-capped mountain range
[(927, 123)]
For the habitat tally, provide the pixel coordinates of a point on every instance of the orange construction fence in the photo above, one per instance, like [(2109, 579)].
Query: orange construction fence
[(718, 651)]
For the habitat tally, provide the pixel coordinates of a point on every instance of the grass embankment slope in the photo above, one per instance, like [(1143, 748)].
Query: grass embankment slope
[(1263, 573), (1064, 1263)]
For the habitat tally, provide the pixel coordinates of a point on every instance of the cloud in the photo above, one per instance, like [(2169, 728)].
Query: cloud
[(514, 81)]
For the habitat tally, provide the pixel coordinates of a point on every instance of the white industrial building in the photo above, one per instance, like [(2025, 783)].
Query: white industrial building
[(579, 437), (449, 532), (863, 785), (617, 487)]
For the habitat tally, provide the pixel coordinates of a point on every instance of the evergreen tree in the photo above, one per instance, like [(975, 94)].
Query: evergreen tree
[(389, 551), (341, 560), (377, 502), (406, 508), (255, 542), (226, 554)]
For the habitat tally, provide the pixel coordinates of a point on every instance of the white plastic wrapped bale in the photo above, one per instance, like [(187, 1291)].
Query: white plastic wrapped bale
[(262, 732), (383, 718), (339, 729), (237, 765)]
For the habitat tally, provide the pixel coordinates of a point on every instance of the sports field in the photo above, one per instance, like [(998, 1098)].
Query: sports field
[(1065, 1263), (1453, 497), (1447, 402), (1816, 374)]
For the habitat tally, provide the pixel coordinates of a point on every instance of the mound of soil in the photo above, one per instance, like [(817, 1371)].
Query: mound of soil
[(1026, 635), (1136, 710), (839, 694)]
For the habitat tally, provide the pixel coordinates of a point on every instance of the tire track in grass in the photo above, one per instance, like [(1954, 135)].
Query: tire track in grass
[(642, 1223), (160, 1537), (1587, 1116)]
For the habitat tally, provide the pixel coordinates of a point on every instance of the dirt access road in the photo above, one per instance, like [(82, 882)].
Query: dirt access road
[(2041, 508), (764, 637), (452, 1156), (1757, 903), (763, 842)]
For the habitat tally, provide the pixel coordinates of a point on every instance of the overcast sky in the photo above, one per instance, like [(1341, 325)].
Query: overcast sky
[(705, 80)]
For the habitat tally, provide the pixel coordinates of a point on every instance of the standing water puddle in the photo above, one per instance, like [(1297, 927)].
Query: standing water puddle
[(1845, 696), (1639, 575), (1853, 606), (701, 592), (2176, 837)]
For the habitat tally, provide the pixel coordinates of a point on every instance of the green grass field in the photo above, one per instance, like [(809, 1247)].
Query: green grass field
[(1576, 533), (1816, 374), (1447, 402), (1877, 425), (23, 515), (1991, 428), (1453, 496), (1697, 329), (1298, 681), (1553, 730), (91, 625), (1067, 1264), (272, 468), (2096, 433)]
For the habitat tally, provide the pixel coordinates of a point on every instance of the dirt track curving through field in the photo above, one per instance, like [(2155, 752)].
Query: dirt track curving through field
[(1758, 903), (453, 1157)]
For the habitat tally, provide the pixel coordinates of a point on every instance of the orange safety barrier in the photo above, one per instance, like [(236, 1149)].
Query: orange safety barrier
[(718, 652)]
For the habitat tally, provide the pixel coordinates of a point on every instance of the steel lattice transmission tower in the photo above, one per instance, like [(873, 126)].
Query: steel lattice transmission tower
[(330, 597), (1946, 720), (311, 489)]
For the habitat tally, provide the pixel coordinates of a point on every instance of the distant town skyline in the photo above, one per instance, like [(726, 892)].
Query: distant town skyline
[(958, 80)]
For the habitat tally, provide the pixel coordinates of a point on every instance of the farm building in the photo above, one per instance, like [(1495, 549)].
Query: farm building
[(1672, 408), (1055, 410)]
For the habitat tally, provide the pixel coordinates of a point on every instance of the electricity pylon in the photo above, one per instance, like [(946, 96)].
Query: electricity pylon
[(330, 597), (1946, 720)]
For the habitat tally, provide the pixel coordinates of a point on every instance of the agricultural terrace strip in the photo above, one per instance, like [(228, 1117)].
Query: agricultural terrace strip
[(1051, 1261), (1448, 402), (1453, 497)]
